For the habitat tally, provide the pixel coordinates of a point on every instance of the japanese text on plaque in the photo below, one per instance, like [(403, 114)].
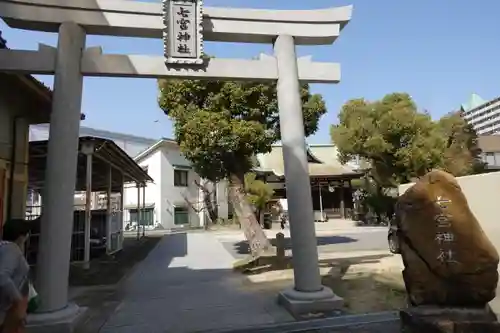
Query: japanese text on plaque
[(184, 30)]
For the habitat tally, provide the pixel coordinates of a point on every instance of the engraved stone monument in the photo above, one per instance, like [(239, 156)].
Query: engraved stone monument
[(450, 265)]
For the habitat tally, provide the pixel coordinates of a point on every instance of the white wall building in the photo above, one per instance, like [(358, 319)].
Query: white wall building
[(483, 115), (173, 200)]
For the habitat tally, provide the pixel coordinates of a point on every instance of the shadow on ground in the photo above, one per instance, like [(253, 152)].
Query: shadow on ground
[(185, 294), (188, 295), (110, 269), (242, 247)]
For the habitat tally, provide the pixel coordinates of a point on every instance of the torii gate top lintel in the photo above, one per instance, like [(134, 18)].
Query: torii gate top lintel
[(140, 19), (126, 18)]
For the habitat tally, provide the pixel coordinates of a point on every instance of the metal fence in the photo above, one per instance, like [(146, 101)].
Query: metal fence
[(77, 241)]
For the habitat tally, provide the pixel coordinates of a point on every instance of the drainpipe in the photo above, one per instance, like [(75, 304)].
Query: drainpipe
[(13, 165)]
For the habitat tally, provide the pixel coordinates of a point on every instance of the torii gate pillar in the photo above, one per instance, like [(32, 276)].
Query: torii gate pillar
[(308, 295), (55, 314)]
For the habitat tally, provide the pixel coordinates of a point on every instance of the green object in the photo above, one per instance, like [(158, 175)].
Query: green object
[(258, 192), (181, 216), (221, 125), (402, 143), (474, 101), (33, 299)]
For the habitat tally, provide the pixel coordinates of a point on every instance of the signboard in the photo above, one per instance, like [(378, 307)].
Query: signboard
[(183, 33)]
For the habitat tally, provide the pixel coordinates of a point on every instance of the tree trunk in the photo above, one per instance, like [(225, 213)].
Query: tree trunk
[(254, 234), (208, 203)]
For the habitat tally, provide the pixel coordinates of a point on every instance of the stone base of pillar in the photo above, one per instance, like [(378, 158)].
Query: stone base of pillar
[(62, 321), (300, 303)]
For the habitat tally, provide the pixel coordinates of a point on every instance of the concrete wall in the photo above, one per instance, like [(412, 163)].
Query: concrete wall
[(173, 196), (223, 199), (161, 164), (482, 193), (153, 190)]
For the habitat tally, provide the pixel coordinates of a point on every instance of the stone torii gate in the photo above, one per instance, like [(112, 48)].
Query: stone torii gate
[(184, 25)]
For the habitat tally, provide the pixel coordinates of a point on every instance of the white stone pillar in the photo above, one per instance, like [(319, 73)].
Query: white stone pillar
[(60, 173), (138, 236), (143, 213), (308, 293), (88, 150)]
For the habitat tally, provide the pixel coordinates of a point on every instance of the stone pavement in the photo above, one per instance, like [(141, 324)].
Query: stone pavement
[(186, 284)]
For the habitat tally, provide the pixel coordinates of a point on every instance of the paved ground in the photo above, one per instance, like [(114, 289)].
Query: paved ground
[(333, 236), (186, 284)]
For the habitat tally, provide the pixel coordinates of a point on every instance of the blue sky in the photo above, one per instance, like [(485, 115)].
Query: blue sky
[(438, 51)]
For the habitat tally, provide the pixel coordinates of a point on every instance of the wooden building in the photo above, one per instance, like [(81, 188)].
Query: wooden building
[(330, 180)]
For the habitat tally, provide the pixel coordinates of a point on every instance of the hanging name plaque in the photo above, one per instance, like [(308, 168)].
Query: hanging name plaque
[(183, 33)]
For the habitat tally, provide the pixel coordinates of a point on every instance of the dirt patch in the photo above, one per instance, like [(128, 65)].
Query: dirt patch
[(367, 283), (363, 294), (109, 270)]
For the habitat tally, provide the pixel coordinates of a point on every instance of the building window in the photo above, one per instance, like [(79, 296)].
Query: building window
[(147, 216), (181, 216), (181, 178), (134, 217), (33, 198)]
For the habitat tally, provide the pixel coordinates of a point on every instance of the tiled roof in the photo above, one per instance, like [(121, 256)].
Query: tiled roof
[(324, 162)]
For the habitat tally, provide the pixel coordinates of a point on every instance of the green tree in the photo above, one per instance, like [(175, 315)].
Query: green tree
[(221, 125), (462, 155), (258, 194), (399, 142)]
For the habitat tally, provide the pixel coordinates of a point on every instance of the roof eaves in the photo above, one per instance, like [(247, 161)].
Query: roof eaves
[(153, 148)]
